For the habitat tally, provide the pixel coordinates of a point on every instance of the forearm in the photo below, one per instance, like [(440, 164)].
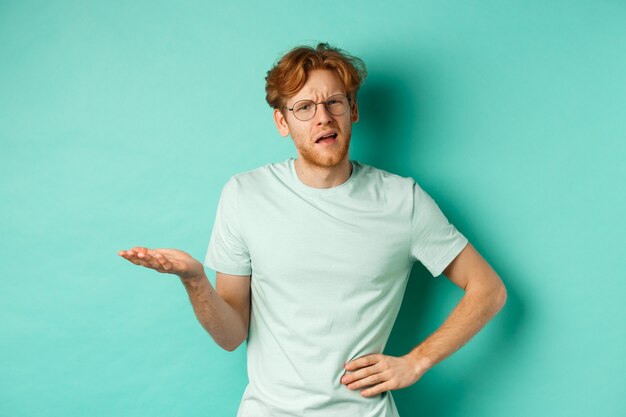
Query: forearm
[(470, 315), (219, 319)]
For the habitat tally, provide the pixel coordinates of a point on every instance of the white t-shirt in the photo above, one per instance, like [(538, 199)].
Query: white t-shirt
[(329, 268)]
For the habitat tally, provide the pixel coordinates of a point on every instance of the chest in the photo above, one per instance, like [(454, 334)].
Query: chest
[(335, 243)]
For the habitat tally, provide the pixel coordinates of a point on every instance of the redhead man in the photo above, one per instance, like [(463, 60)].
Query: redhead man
[(312, 257)]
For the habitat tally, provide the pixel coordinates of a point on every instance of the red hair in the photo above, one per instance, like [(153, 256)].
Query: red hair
[(290, 73)]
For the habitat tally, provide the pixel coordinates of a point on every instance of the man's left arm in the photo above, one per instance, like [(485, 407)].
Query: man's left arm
[(484, 296)]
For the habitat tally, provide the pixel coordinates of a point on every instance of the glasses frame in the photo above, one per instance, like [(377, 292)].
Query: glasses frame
[(325, 102)]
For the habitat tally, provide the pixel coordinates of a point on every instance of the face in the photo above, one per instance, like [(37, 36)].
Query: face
[(320, 85)]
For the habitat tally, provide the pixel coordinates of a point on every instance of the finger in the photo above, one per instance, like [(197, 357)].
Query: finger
[(362, 362), (142, 255), (154, 262), (357, 375), (128, 255), (169, 260), (377, 389), (137, 260), (370, 380), (165, 264), (158, 264), (135, 251), (134, 260), (148, 259)]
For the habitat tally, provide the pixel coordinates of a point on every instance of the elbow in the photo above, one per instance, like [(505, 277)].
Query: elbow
[(501, 297), (498, 293), (231, 347), (493, 294)]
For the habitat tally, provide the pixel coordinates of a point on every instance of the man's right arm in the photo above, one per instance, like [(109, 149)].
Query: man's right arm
[(223, 312)]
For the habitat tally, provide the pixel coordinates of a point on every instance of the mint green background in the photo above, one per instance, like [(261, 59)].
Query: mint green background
[(120, 122)]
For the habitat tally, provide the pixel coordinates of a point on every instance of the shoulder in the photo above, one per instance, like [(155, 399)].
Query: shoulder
[(386, 179), (257, 178)]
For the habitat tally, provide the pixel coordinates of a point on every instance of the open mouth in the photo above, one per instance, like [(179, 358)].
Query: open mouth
[(330, 138)]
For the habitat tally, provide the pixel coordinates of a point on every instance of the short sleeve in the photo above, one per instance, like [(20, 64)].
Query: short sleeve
[(434, 241), (227, 251)]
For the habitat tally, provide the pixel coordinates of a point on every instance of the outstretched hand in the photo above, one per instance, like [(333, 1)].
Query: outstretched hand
[(381, 373), (170, 261)]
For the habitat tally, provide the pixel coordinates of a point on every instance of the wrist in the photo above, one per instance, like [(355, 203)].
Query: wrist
[(193, 280), (420, 363)]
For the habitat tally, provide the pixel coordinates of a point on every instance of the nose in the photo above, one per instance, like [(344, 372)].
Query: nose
[(322, 115)]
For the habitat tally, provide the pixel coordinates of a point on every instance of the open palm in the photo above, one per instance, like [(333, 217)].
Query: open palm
[(170, 261)]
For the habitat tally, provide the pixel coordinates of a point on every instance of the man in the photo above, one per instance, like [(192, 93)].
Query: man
[(312, 257)]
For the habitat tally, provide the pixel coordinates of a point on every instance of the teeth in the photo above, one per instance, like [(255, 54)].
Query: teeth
[(330, 135)]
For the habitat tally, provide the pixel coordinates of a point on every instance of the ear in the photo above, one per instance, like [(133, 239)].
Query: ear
[(354, 112), (281, 123)]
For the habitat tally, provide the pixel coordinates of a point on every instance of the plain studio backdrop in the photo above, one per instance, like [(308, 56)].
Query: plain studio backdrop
[(120, 122)]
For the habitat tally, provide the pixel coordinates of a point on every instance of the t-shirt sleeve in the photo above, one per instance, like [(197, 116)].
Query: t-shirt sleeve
[(227, 251), (434, 241)]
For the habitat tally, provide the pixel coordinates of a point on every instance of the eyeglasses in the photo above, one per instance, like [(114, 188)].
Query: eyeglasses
[(305, 109)]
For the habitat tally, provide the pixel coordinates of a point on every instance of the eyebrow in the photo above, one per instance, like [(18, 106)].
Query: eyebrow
[(330, 95)]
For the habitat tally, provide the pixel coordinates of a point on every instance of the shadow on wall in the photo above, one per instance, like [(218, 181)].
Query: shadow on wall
[(389, 119), (420, 315), (393, 111)]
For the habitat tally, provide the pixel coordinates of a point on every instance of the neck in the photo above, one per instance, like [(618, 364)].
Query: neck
[(323, 177)]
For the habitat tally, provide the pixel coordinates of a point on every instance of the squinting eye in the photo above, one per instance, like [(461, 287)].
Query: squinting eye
[(331, 102), (303, 108)]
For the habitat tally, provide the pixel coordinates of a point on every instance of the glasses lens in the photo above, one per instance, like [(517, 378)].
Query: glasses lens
[(304, 109), (337, 105)]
